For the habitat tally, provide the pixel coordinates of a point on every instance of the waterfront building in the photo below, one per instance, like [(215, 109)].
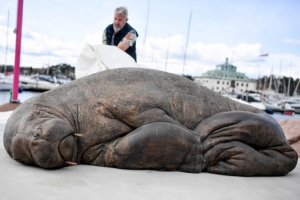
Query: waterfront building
[(226, 79)]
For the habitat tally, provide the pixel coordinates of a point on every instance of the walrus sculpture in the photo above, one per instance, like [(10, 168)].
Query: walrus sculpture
[(135, 118)]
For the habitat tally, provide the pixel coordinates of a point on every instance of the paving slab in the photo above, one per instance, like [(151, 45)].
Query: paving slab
[(86, 182)]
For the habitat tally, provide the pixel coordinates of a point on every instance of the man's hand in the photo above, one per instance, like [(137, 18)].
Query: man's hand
[(123, 46)]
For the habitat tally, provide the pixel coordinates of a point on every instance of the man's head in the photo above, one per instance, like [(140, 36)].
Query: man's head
[(120, 18)]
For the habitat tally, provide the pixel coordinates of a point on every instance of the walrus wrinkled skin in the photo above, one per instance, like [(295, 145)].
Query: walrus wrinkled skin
[(146, 119)]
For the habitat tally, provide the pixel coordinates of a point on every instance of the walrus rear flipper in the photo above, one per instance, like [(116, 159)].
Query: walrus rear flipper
[(245, 144)]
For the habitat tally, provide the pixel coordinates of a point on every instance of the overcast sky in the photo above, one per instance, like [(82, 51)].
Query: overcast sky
[(56, 32)]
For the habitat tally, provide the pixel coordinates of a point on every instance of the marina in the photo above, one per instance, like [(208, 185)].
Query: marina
[(24, 95)]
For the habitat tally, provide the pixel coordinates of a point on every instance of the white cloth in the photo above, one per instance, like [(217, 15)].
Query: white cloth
[(98, 58)]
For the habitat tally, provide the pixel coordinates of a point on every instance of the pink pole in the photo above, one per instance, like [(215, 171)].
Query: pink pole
[(15, 90)]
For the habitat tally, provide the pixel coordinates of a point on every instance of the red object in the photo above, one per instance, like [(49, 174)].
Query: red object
[(7, 73), (264, 55), (288, 112), (17, 53)]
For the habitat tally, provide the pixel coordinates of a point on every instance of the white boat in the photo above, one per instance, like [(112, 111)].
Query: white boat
[(247, 101), (276, 106), (253, 99), (5, 85), (6, 82), (40, 82), (291, 104)]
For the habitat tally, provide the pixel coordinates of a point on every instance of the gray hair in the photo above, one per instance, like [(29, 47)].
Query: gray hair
[(122, 11)]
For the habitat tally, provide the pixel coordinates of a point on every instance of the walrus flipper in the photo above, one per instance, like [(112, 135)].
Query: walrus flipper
[(159, 145), (245, 144)]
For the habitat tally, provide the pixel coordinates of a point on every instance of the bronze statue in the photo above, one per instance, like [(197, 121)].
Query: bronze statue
[(137, 118)]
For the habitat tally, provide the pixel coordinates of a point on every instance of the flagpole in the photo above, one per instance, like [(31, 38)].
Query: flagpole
[(15, 90), (262, 55)]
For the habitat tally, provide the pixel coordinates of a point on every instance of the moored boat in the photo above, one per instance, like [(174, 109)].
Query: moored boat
[(278, 107), (37, 82)]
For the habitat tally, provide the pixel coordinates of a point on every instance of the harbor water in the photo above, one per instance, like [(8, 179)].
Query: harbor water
[(23, 96)]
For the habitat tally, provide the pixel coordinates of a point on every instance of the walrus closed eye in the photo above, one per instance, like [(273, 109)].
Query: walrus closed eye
[(146, 119)]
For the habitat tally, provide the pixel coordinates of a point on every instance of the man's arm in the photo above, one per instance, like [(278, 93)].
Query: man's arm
[(104, 39), (127, 41)]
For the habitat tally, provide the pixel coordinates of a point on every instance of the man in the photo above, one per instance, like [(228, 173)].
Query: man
[(120, 33)]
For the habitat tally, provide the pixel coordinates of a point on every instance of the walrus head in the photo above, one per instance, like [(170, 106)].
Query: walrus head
[(47, 141)]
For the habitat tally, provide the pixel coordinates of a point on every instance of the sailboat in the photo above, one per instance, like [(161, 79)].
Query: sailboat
[(6, 78), (278, 104)]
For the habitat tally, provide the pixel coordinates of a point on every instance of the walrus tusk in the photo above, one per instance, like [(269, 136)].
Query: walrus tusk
[(70, 163), (78, 134)]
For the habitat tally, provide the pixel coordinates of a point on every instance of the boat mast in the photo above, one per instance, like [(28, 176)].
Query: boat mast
[(6, 42), (259, 81), (277, 82), (275, 85), (187, 40), (146, 30), (270, 84), (167, 54), (288, 90), (296, 88)]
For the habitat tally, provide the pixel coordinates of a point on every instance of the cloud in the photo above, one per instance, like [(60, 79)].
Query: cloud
[(291, 41), (200, 56), (3, 18), (93, 38), (38, 49), (161, 53)]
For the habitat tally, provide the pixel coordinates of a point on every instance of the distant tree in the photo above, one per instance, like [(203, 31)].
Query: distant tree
[(188, 77)]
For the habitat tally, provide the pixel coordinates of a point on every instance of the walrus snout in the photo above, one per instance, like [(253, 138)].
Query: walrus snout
[(48, 143)]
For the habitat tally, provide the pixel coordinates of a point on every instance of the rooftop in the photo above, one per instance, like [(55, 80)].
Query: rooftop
[(225, 71)]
